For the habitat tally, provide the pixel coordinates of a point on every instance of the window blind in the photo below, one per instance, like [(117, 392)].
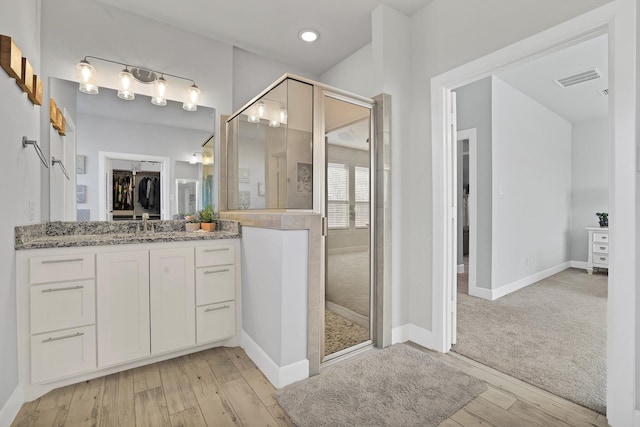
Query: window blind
[(337, 195)]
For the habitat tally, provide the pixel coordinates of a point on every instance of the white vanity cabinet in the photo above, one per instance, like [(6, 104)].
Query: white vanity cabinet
[(61, 332), (172, 292), (123, 306), (598, 250), (215, 293), (91, 311)]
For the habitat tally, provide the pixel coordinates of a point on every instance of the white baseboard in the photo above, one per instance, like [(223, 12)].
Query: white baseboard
[(10, 410), (578, 264), (526, 281), (460, 268), (416, 334), (483, 293), (279, 376)]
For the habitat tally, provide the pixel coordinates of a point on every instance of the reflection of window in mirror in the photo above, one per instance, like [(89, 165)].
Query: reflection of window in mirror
[(188, 188)]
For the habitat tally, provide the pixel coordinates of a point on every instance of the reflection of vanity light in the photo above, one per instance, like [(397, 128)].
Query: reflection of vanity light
[(283, 116), (274, 123), (261, 109), (194, 159), (252, 118)]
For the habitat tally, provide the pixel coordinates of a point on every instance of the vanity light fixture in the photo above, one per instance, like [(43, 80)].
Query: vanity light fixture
[(308, 36), (262, 110), (126, 85), (194, 159), (87, 79), (159, 91)]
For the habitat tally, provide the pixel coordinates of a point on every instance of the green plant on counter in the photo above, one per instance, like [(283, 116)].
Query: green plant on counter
[(207, 214), (192, 218), (603, 219)]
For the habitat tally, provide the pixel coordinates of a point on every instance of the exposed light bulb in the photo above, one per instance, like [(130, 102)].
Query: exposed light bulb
[(159, 91), (193, 97), (126, 85), (86, 75)]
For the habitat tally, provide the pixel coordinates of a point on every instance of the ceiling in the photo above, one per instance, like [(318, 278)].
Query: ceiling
[(270, 28), (575, 103)]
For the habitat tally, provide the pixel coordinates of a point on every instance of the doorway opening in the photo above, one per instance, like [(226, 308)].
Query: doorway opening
[(540, 202)]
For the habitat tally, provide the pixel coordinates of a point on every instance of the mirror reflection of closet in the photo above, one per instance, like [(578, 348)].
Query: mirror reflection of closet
[(105, 123)]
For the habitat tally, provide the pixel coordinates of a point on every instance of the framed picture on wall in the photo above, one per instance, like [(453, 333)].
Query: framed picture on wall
[(80, 164), (244, 176)]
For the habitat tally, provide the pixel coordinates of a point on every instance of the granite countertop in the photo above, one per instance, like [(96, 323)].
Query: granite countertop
[(60, 234)]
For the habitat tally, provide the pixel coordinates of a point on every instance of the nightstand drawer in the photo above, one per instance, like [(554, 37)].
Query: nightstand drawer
[(600, 248), (61, 268), (215, 255), (62, 305), (601, 237), (601, 259)]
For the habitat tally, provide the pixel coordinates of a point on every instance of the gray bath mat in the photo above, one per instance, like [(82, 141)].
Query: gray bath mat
[(397, 386)]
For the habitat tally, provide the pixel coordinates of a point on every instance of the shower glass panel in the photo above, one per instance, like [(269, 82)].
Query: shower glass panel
[(348, 251), (269, 154)]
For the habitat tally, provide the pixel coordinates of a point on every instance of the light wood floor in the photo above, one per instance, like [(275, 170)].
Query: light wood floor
[(223, 387)]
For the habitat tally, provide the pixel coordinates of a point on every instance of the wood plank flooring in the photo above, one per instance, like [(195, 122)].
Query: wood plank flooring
[(223, 387)]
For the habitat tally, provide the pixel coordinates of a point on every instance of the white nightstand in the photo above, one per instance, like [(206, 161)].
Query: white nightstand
[(598, 248)]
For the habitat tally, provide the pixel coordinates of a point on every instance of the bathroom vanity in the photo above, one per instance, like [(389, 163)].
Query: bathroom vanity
[(97, 298)]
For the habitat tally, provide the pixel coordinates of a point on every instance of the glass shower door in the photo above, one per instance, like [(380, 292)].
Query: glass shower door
[(348, 295)]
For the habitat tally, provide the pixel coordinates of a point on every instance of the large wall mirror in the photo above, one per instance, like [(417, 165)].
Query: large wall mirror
[(126, 158)]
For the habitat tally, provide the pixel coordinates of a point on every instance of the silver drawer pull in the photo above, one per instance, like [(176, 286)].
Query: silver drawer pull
[(216, 250), (602, 259), (604, 237), (217, 308), (216, 271), (77, 334), (58, 261), (603, 247), (68, 288)]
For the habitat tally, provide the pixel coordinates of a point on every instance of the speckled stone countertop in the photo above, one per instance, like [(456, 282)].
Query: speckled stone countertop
[(60, 234)]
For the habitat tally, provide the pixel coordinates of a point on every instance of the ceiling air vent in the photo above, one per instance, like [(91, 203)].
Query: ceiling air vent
[(582, 77), (604, 92)]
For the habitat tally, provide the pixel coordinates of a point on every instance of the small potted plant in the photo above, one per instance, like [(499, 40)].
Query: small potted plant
[(603, 219), (207, 218), (193, 222)]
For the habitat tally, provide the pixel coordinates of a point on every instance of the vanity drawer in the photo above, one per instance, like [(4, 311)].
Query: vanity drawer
[(601, 259), (600, 248), (61, 268), (215, 284), (215, 322), (62, 305), (62, 354), (215, 255), (600, 237)]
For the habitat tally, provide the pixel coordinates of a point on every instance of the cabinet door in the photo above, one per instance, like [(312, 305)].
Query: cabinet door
[(173, 307), (123, 306)]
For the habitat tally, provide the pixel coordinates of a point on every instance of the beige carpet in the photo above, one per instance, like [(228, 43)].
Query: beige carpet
[(340, 333), (551, 334), (397, 386), (348, 281)]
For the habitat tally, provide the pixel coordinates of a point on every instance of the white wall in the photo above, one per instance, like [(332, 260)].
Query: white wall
[(531, 197), (354, 73), (253, 73), (97, 133), (21, 171), (590, 181), (474, 111), (274, 296)]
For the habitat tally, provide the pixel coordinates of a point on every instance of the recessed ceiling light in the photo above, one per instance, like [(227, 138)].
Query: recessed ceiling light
[(308, 35)]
